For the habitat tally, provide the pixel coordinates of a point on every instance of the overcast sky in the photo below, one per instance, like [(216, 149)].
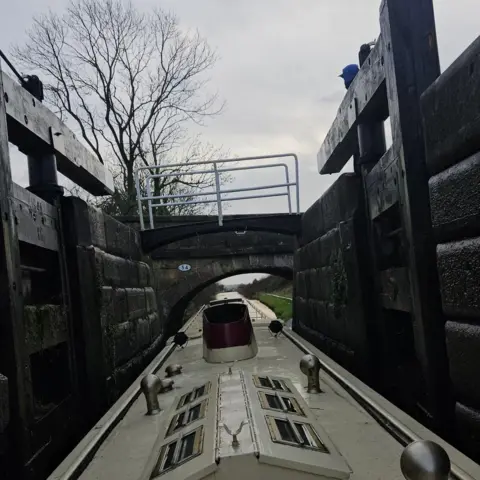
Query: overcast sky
[(277, 70)]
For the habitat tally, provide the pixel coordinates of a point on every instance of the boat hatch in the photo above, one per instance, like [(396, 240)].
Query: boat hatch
[(184, 448), (281, 403), (270, 383), (196, 393), (228, 334), (179, 451)]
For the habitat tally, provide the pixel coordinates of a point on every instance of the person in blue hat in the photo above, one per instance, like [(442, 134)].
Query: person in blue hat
[(348, 74)]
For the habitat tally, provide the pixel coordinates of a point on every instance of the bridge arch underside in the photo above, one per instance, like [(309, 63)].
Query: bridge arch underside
[(181, 287)]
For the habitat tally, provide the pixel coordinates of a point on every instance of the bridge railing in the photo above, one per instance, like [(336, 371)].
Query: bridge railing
[(217, 169)]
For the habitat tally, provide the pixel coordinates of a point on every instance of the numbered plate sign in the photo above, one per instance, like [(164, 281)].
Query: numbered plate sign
[(184, 267)]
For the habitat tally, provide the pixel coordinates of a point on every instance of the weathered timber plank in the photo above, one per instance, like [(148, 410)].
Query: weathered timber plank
[(366, 98), (372, 149), (4, 404), (36, 219), (13, 358), (356, 324), (395, 289), (33, 128), (450, 112), (381, 185), (45, 326), (92, 350), (411, 66), (86, 300)]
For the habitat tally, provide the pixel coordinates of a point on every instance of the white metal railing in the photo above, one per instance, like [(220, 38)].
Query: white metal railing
[(157, 201)]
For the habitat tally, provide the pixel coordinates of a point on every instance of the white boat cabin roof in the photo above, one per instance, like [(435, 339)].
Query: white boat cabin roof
[(249, 419)]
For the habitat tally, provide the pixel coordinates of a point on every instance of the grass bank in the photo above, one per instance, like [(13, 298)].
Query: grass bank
[(281, 306)]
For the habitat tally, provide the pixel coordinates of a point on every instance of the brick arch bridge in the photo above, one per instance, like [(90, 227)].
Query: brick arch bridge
[(185, 289), (243, 244), (213, 257)]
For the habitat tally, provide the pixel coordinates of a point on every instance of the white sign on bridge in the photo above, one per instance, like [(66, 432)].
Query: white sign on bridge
[(184, 267)]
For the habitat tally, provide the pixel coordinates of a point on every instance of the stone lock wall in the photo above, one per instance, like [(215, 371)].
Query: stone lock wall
[(328, 309), (114, 303), (452, 136)]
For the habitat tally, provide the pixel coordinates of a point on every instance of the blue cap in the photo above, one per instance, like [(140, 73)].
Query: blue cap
[(349, 71)]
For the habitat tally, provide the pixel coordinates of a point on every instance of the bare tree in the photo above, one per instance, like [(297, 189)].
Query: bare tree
[(132, 82), (188, 184)]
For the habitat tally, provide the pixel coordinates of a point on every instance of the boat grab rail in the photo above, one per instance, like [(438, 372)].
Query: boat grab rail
[(396, 428)]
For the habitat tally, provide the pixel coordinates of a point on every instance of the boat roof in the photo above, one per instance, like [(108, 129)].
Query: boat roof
[(344, 440), (221, 301)]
